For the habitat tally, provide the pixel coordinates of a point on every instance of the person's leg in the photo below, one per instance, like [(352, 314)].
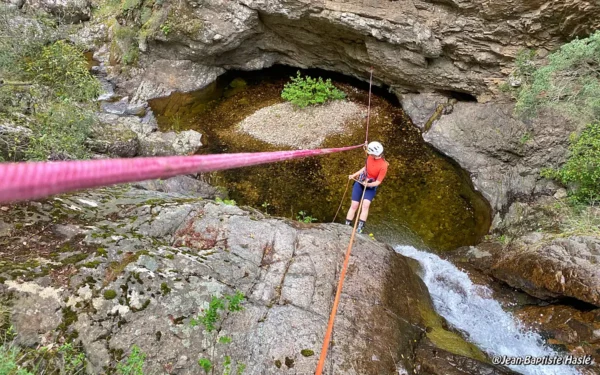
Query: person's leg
[(364, 212), (351, 212), (357, 192)]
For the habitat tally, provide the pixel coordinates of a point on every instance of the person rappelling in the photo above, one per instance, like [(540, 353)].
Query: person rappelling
[(369, 177)]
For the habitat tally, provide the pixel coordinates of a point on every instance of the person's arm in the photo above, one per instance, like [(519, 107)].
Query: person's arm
[(380, 178), (353, 176)]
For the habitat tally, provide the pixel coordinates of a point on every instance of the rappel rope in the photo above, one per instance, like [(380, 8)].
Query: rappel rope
[(338, 292)]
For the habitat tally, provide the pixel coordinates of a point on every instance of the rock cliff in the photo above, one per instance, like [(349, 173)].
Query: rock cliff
[(118, 267)]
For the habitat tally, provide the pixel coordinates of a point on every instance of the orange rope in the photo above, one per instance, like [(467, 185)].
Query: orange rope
[(342, 202), (338, 293)]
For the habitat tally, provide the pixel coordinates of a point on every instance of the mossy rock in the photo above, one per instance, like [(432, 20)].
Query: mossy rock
[(110, 294)]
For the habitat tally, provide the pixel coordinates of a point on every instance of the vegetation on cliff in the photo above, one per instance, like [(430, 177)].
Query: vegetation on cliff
[(47, 89), (582, 169), (568, 82)]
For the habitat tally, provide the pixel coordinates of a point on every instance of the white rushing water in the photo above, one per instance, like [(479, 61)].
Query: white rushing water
[(468, 307)]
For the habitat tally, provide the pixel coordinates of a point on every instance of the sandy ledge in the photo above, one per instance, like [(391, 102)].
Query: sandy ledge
[(284, 124)]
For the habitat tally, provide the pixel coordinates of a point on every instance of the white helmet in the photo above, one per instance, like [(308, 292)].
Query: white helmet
[(375, 148)]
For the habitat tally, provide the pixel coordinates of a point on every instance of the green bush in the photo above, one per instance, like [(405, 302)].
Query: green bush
[(569, 82), (60, 132), (308, 91), (62, 67), (582, 169), (303, 217)]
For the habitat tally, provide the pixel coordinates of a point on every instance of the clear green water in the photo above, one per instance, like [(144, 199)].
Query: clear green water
[(425, 200)]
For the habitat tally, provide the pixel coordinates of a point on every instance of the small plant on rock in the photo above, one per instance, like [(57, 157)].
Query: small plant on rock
[(228, 202), (304, 91), (134, 364), (73, 361), (303, 217), (211, 320)]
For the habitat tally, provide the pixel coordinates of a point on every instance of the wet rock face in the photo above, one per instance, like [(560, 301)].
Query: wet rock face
[(542, 267), (116, 267), (164, 77), (567, 328), (563, 267), (432, 360)]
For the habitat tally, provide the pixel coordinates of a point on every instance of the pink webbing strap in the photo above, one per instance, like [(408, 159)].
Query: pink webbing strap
[(24, 181)]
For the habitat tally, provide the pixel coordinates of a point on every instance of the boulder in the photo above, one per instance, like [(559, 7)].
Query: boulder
[(421, 107), (171, 143), (568, 328), (164, 77), (69, 11), (566, 267), (142, 266), (123, 108), (184, 185), (116, 140), (542, 266)]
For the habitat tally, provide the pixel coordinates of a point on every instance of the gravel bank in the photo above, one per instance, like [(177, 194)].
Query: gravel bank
[(286, 125)]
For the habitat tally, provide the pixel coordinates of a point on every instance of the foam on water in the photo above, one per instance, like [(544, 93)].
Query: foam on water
[(468, 307)]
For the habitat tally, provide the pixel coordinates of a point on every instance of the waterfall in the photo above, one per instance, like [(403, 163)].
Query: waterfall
[(468, 308)]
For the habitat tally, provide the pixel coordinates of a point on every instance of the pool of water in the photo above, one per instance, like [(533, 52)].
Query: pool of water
[(426, 199)]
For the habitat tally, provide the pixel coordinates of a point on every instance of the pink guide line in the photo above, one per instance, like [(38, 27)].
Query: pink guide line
[(25, 181)]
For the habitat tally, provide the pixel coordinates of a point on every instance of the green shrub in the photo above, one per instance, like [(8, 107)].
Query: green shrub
[(62, 67), (128, 5), (134, 364), (582, 169), (60, 132), (17, 44), (307, 91), (569, 82)]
